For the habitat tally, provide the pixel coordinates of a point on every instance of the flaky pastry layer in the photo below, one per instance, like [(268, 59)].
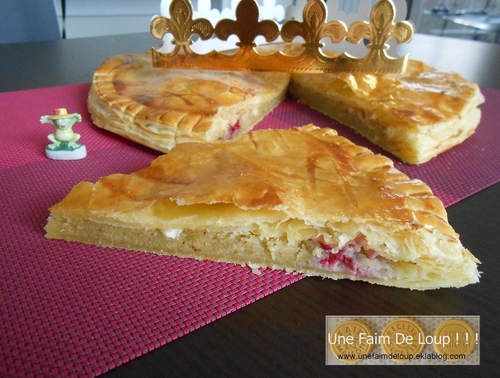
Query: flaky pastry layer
[(304, 200)]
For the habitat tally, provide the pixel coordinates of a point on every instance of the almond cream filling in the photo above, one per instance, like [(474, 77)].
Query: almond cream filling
[(172, 233)]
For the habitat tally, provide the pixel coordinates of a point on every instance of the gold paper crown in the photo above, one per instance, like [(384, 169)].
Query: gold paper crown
[(312, 29)]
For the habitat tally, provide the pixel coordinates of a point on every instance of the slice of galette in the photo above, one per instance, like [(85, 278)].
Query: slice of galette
[(303, 200), (160, 108), (415, 116)]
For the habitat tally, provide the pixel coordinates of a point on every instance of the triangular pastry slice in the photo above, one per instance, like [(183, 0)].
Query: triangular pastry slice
[(415, 115), (303, 200), (160, 108)]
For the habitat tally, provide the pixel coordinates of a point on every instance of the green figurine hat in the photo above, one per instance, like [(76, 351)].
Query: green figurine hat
[(59, 113)]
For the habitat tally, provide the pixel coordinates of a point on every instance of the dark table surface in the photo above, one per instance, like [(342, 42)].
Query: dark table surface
[(283, 334)]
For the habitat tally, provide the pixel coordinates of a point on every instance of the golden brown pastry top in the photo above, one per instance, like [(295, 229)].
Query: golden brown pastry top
[(131, 84), (309, 173), (421, 96)]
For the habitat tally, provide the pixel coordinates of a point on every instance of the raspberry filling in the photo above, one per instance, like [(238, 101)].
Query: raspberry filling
[(233, 130), (355, 257)]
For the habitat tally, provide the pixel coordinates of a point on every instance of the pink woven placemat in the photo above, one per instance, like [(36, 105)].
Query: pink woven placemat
[(74, 310)]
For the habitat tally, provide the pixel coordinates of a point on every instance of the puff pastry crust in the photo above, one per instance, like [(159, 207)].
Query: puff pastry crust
[(304, 200), (160, 108), (415, 116)]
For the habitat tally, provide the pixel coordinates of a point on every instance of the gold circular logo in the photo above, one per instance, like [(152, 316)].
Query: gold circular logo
[(454, 337), (402, 340), (351, 341)]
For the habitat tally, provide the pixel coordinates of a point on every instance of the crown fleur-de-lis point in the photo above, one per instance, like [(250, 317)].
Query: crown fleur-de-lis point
[(314, 27), (181, 25), (247, 25), (381, 28)]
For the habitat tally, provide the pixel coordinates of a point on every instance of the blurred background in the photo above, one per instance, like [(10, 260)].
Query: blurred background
[(31, 20)]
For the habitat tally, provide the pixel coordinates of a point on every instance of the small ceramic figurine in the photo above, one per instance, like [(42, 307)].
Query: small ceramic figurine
[(64, 140)]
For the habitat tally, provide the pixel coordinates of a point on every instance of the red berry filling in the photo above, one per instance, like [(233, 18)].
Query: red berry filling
[(233, 130), (347, 258)]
